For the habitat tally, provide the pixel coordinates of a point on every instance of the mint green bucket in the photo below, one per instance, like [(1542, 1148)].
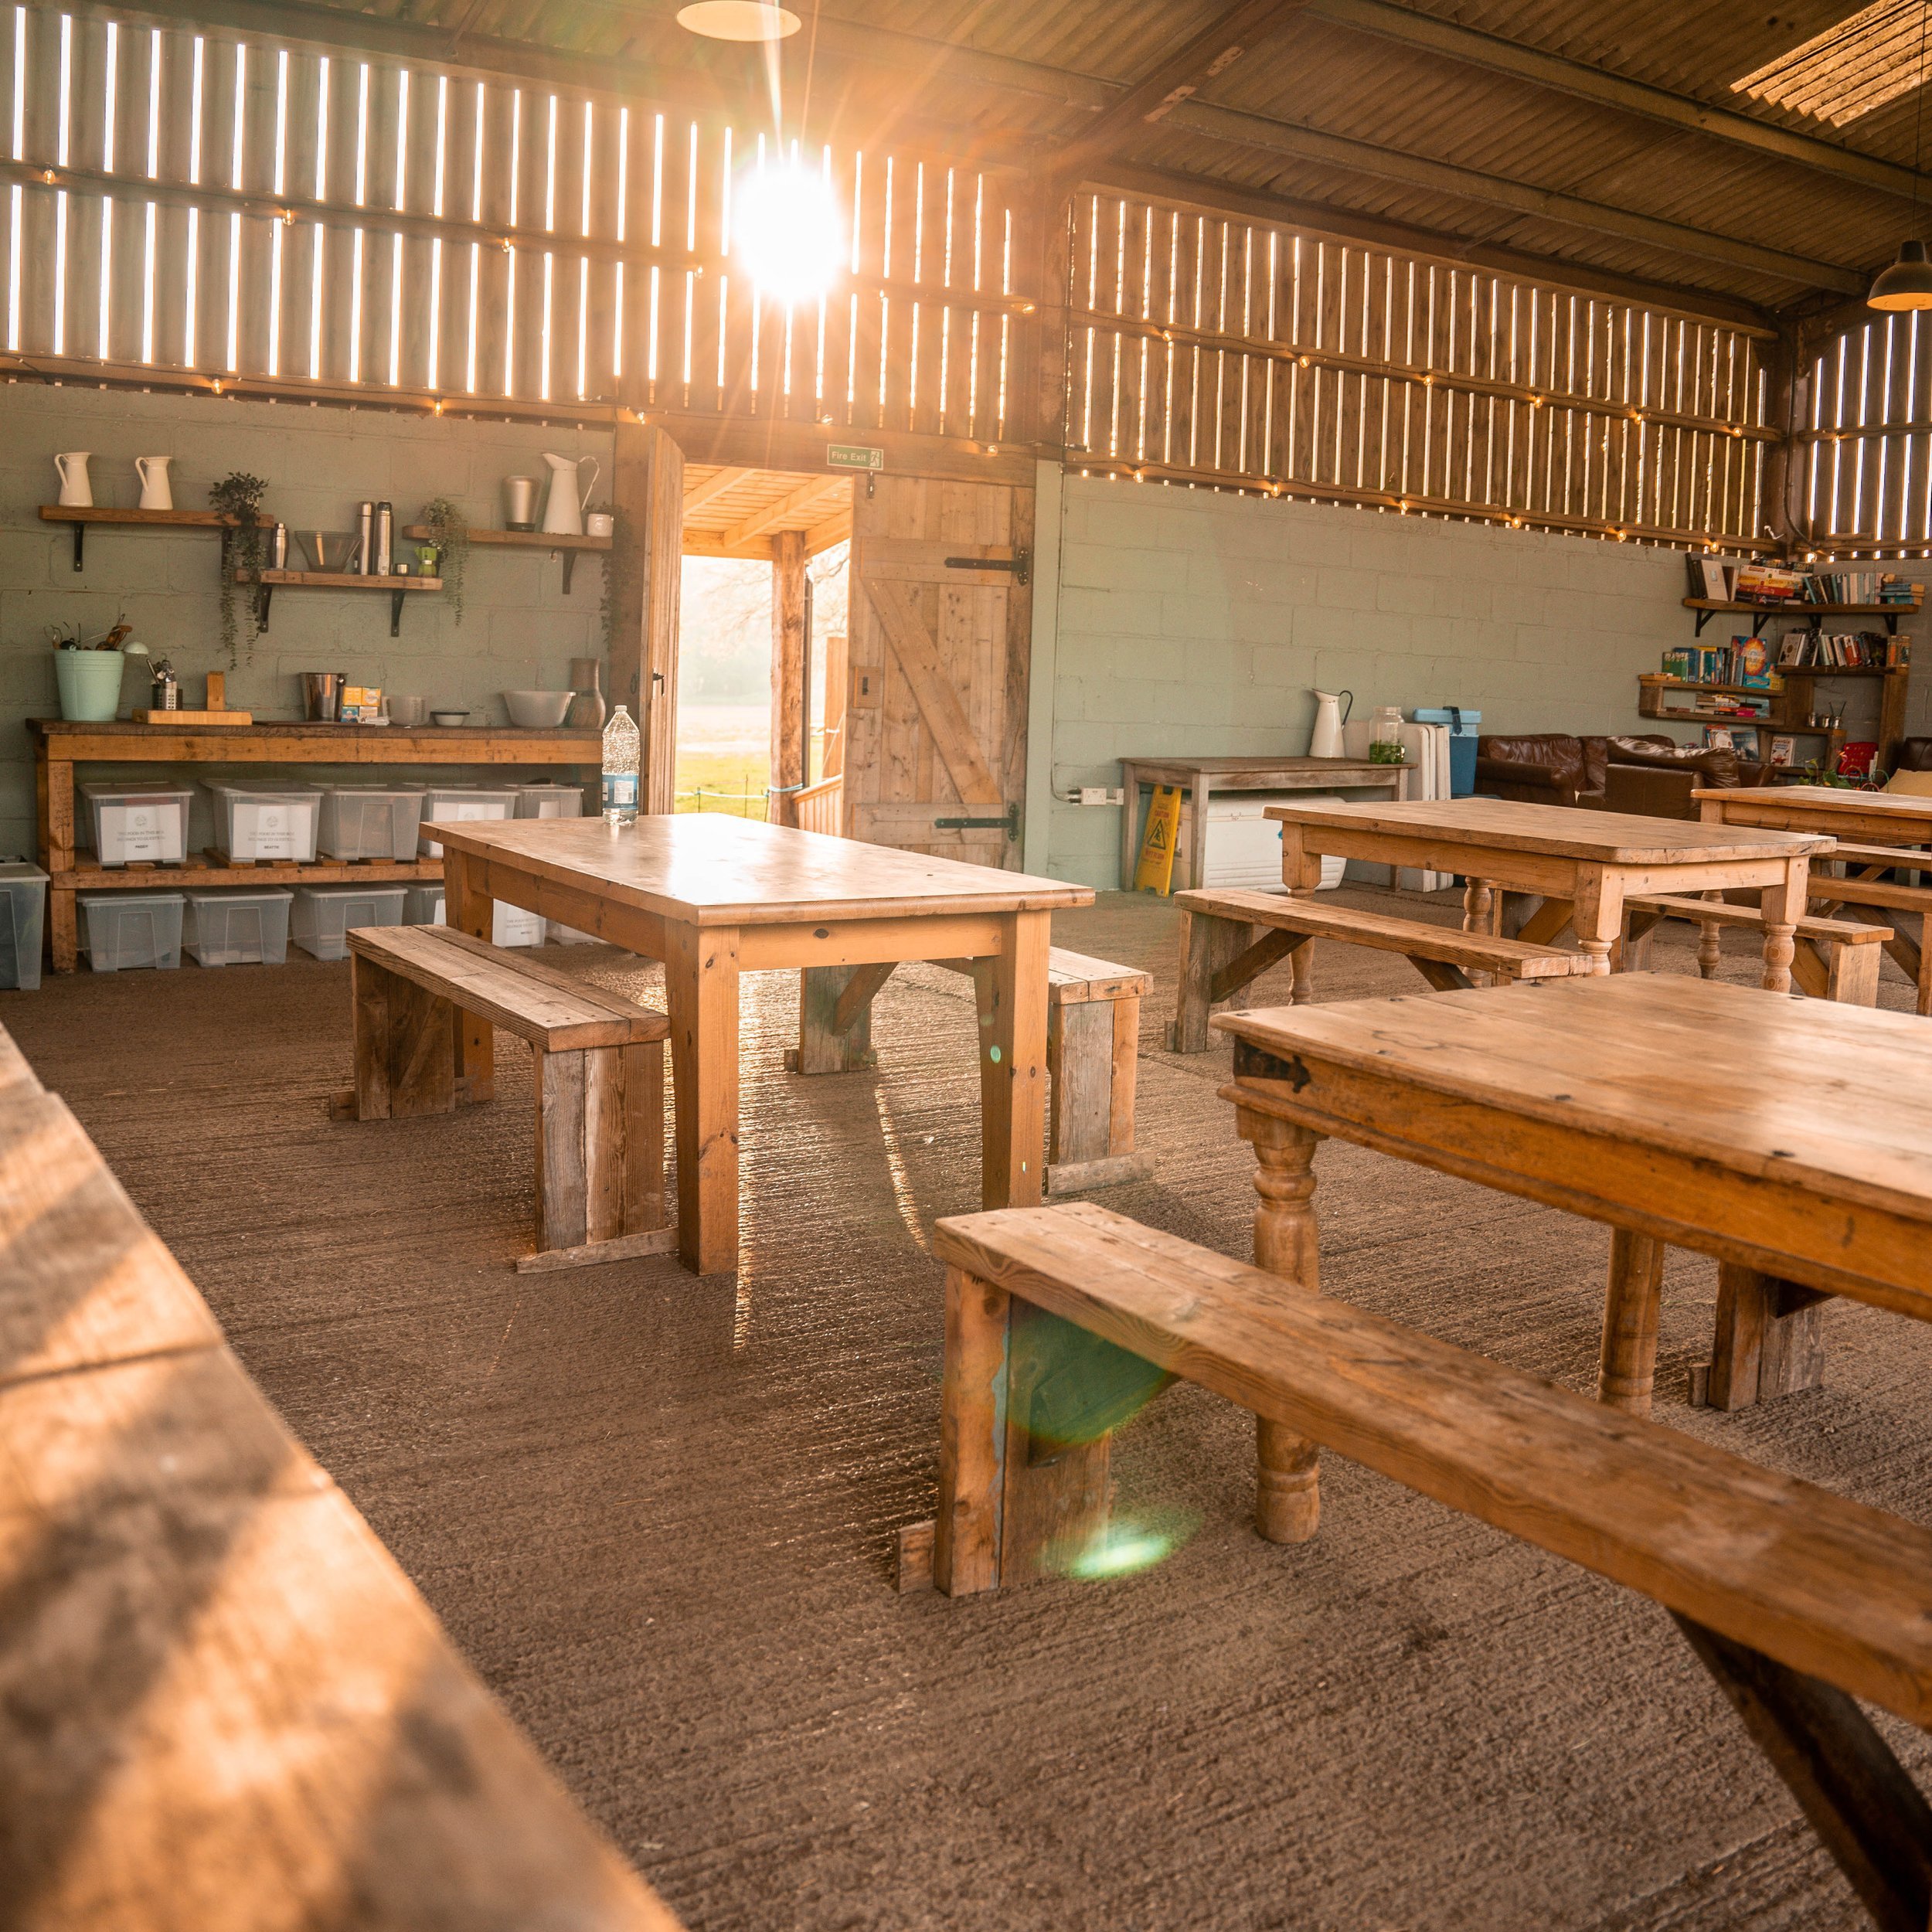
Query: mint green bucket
[(89, 684)]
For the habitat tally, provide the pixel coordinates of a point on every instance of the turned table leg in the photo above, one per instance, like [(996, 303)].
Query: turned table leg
[(1288, 1497), (1783, 905), (1630, 1309), (1597, 916)]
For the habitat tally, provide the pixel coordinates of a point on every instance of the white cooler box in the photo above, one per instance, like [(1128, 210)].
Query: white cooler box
[(548, 801), (123, 929), (509, 926), (144, 825), (322, 915), (237, 929), (461, 804), (266, 821), (369, 822), (1244, 848)]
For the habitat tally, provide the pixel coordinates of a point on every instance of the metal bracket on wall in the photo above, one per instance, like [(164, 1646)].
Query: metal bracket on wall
[(80, 542)]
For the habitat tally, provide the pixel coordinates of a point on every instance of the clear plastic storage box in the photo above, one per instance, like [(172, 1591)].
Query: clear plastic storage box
[(456, 805), (23, 918), (561, 935), (145, 824), (369, 822), (266, 821), (510, 925), (123, 930), (320, 920), (547, 800), (237, 929)]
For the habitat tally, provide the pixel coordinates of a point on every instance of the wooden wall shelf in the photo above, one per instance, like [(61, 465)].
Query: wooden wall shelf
[(80, 515), (1789, 707), (268, 582), (567, 547), (1814, 614)]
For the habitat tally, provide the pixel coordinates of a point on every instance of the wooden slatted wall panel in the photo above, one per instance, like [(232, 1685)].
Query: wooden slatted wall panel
[(1225, 352), (1867, 441), (224, 205)]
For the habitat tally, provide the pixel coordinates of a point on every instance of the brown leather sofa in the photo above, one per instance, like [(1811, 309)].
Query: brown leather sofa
[(1653, 777), (1541, 768), (1913, 754)]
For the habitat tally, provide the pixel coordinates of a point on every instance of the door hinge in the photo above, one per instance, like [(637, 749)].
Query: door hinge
[(1009, 824), (1020, 564)]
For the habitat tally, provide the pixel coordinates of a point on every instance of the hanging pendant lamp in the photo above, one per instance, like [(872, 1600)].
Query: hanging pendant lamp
[(1907, 284)]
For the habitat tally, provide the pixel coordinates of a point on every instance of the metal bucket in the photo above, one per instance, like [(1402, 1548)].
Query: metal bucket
[(322, 695), (519, 502)]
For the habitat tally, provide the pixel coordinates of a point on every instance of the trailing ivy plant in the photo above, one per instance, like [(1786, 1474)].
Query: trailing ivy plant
[(238, 496), (450, 531), (620, 573)]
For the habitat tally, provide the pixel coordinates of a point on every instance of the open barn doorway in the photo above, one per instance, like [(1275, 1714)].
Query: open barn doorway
[(763, 607)]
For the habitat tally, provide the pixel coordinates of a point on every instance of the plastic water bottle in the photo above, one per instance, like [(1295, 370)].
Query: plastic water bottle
[(621, 749)]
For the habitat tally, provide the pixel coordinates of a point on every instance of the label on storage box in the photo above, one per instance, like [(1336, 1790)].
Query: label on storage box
[(141, 828)]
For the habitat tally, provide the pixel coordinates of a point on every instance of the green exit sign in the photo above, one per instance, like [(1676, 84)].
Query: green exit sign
[(854, 456)]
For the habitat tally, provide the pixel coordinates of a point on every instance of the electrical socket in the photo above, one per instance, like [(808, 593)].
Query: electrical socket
[(1100, 795)]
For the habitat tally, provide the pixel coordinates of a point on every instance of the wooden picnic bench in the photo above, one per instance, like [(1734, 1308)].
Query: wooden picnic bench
[(223, 1708), (1062, 1322), (1867, 888), (1830, 959), (1093, 1053), (1229, 937), (599, 1078)]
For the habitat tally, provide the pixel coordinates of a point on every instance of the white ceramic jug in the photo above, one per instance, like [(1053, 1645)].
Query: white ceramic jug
[(155, 494), (75, 489), (563, 514), (1329, 717)]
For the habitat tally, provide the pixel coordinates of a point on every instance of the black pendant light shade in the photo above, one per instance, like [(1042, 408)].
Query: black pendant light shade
[(1907, 284)]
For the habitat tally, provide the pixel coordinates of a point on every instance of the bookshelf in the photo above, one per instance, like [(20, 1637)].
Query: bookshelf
[(1790, 702), (1814, 614)]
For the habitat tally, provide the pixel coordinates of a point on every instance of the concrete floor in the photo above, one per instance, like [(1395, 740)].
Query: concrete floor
[(658, 1513)]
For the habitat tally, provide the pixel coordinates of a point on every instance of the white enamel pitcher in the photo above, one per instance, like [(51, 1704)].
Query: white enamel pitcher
[(76, 490), (563, 514), (155, 492), (1329, 717)]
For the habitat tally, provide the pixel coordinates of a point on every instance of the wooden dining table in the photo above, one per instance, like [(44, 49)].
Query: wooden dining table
[(713, 896), (1882, 818), (1581, 864), (1601, 1096)]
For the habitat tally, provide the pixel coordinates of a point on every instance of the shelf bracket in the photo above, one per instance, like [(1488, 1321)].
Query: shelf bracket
[(263, 593), (396, 612), (1703, 618), (80, 542)]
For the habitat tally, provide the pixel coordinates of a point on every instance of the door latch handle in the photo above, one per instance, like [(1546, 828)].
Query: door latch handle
[(1020, 564)]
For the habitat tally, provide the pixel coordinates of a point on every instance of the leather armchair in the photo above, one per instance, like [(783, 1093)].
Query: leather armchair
[(1653, 777), (1914, 754), (1543, 768)]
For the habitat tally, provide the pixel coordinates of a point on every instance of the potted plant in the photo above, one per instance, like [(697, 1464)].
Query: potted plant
[(449, 533), (238, 496)]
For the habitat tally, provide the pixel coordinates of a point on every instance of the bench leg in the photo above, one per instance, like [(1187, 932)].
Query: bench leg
[(1220, 958), (1092, 1048), (1629, 1360), (1028, 1405), (1861, 1802), (1770, 1338), (827, 995), (1288, 1495), (405, 1045), (1852, 974), (599, 1130)]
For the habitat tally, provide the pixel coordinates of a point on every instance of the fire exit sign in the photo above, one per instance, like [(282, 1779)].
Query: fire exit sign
[(854, 456)]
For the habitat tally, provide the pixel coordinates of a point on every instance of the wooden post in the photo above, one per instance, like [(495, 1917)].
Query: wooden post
[(701, 986), (647, 490), (831, 755), (1010, 988), (787, 674), (1788, 373)]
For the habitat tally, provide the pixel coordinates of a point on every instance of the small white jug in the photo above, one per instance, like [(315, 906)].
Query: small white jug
[(75, 491), (155, 494)]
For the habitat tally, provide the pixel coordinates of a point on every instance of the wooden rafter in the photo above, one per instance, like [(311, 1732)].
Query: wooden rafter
[(789, 510), (708, 492)]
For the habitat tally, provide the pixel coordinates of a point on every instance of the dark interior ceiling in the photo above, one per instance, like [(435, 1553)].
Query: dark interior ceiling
[(1601, 134)]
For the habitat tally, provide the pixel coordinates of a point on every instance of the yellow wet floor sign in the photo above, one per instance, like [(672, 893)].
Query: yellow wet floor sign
[(1155, 871)]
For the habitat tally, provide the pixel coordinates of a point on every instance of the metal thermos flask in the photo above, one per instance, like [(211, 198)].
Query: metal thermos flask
[(365, 531), (384, 538)]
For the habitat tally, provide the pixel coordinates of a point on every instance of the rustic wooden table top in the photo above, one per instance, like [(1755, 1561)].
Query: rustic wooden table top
[(709, 869), (1596, 838), (1823, 801), (1645, 1058)]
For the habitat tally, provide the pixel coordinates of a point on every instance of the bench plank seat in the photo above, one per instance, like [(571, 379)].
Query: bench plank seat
[(1831, 958), (1230, 937), (1797, 1600)]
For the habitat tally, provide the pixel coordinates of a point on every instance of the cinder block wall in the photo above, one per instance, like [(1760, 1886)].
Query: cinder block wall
[(519, 631), (1194, 622)]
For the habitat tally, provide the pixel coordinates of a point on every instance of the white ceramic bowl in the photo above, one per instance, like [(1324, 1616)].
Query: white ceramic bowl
[(537, 710), (449, 717)]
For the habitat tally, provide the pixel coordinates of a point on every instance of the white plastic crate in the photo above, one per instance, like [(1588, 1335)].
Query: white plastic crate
[(237, 928), (510, 925), (560, 935), (124, 929), (266, 821), (23, 913), (424, 906), (320, 920), (462, 805), (547, 800), (369, 822), (145, 824)]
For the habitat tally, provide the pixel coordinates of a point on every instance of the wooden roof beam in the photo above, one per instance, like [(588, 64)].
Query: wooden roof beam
[(1255, 131), (787, 511), (707, 492), (1429, 33), (1179, 73)]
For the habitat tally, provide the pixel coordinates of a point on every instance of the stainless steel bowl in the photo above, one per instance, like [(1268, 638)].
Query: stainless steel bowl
[(331, 550)]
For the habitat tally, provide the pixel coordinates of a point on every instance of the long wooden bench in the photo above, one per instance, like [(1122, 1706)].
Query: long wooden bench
[(1831, 958), (1869, 892), (1093, 1054), (1229, 937), (1062, 1322), (600, 1077), (222, 1702)]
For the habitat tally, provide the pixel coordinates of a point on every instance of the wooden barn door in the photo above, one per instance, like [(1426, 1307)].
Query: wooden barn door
[(940, 635)]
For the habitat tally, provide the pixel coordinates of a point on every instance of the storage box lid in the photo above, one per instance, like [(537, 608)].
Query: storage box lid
[(137, 795), (312, 793), (132, 898), (461, 793), (352, 891), (1454, 714), (260, 896), (374, 791), (545, 785), (12, 870)]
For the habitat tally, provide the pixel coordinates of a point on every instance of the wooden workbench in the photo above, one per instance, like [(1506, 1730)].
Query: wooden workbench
[(60, 745)]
